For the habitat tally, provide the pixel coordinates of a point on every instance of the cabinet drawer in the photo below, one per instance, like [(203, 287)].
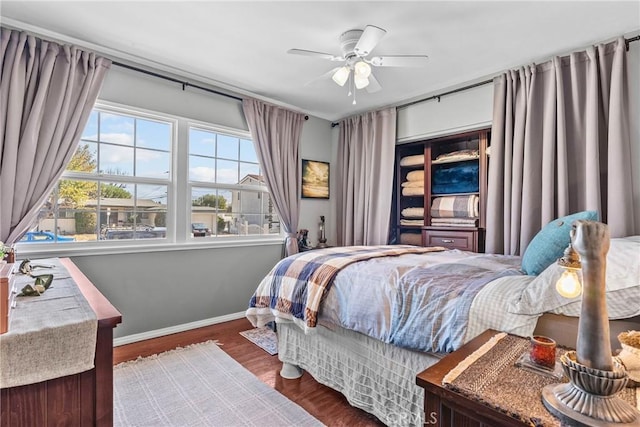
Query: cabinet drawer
[(463, 240)]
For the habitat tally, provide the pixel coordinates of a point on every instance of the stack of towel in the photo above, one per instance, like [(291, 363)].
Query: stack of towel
[(414, 185), (412, 216), (455, 211)]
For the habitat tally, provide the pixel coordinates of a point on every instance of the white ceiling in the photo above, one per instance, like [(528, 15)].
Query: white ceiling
[(241, 46)]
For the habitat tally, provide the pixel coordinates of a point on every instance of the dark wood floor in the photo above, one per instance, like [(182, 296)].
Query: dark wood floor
[(327, 405)]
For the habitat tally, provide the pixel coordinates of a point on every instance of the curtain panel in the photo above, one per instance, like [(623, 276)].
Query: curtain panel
[(560, 143), (47, 92), (276, 136), (366, 152)]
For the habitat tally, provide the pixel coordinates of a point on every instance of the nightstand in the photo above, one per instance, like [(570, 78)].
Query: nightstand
[(491, 388), (445, 407)]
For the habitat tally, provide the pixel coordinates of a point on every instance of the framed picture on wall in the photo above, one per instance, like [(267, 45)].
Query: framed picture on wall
[(315, 179)]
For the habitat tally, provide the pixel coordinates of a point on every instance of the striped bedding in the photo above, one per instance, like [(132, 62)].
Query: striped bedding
[(415, 300), (296, 285), (418, 301)]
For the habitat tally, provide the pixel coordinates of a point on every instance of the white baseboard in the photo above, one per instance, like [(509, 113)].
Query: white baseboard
[(128, 339)]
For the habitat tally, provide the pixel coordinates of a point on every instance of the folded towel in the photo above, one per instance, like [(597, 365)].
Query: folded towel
[(416, 175), (413, 191), (453, 225), (455, 206), (472, 221), (457, 156), (412, 160), (419, 222), (414, 184), (413, 212)]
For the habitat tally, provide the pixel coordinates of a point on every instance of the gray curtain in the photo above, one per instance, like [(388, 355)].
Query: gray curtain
[(560, 144), (47, 92), (276, 137), (366, 150)]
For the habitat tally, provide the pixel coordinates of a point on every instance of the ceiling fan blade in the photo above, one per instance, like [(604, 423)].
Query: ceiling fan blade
[(368, 40), (374, 85), (323, 55), (324, 76), (400, 61)]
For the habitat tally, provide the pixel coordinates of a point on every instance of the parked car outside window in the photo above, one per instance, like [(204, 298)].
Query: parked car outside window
[(44, 236), (199, 229)]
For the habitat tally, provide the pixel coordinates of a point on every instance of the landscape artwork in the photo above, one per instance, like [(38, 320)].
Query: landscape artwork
[(315, 179)]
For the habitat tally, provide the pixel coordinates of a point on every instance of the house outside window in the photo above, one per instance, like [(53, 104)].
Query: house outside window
[(121, 185), (225, 179)]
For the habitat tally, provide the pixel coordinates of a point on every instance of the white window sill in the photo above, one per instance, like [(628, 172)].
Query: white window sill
[(46, 250)]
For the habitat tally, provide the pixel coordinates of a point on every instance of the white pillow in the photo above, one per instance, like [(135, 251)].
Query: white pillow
[(622, 281)]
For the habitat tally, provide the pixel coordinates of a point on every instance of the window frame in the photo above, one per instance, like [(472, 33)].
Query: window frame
[(178, 215)]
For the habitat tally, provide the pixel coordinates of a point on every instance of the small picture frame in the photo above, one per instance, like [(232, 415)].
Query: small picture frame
[(315, 179)]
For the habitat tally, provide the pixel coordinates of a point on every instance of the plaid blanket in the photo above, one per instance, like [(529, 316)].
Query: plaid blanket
[(294, 288)]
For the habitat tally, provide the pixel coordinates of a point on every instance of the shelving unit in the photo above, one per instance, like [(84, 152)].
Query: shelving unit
[(455, 171)]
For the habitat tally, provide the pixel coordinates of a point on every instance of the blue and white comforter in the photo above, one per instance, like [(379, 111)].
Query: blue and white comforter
[(416, 301)]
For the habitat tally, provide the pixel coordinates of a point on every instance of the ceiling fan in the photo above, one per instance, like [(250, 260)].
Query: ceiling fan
[(356, 46)]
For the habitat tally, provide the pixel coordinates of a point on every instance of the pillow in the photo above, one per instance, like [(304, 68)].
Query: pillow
[(622, 278), (550, 242)]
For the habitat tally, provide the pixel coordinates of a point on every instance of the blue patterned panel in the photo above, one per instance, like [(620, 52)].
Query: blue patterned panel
[(458, 177)]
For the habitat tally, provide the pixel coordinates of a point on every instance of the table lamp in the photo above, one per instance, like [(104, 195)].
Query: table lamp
[(590, 398)]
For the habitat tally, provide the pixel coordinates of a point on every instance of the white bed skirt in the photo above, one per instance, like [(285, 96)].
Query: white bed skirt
[(376, 377)]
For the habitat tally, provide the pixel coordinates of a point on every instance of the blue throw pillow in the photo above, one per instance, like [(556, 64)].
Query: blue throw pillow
[(550, 242)]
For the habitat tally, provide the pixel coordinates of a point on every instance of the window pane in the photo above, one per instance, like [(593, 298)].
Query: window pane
[(201, 142), (208, 208), (202, 169), (152, 163), (116, 160), (227, 172), (91, 129), (152, 134), (251, 169), (67, 216), (130, 211), (227, 147), (116, 129), (85, 159), (247, 151)]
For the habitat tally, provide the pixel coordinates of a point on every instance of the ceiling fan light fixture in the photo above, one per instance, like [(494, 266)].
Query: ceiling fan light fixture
[(360, 81), (362, 69), (341, 75)]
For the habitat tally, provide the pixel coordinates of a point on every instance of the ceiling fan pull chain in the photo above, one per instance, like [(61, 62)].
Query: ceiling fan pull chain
[(354, 92)]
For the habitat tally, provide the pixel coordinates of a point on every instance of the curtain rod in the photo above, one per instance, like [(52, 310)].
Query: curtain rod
[(460, 89), (171, 79), (181, 82), (334, 124)]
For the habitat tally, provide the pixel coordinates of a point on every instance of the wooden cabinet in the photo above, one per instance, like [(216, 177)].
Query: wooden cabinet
[(440, 192), (444, 407), (84, 399)]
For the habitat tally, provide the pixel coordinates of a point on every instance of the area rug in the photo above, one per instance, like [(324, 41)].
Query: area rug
[(199, 385), (264, 338)]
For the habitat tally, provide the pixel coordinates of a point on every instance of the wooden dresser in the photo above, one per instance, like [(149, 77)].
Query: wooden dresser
[(84, 399)]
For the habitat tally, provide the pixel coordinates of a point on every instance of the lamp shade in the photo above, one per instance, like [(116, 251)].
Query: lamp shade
[(362, 69), (360, 82), (341, 75)]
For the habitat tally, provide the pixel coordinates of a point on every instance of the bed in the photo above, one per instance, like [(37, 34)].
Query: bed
[(381, 319)]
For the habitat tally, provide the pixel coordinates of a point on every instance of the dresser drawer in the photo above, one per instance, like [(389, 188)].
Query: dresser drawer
[(452, 239)]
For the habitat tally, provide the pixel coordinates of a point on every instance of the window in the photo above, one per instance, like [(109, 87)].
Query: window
[(227, 187), (121, 184)]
